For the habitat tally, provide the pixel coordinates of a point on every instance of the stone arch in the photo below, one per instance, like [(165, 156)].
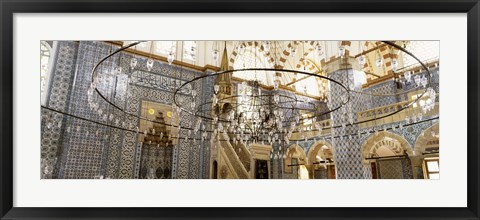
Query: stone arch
[(312, 44), (321, 161), (426, 148), (427, 141), (310, 66), (281, 62), (387, 53), (286, 52), (347, 45), (235, 53), (315, 148), (311, 47), (294, 152), (375, 143)]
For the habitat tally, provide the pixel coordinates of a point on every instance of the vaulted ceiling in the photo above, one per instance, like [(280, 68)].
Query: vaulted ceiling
[(311, 56)]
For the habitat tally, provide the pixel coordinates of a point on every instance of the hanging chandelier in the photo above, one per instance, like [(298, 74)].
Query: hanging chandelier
[(255, 114)]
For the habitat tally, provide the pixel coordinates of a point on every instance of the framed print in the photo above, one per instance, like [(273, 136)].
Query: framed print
[(256, 110)]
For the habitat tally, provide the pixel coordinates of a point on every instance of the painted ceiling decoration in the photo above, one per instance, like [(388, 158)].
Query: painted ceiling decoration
[(374, 58)]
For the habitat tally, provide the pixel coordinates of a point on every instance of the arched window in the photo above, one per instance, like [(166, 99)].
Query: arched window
[(45, 59)]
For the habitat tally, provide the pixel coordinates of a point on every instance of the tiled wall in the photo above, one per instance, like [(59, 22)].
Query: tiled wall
[(347, 149), (88, 150), (58, 93)]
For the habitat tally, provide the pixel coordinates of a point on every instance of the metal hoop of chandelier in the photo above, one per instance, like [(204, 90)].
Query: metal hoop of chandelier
[(104, 97), (265, 112), (428, 91), (419, 81), (204, 109), (272, 96)]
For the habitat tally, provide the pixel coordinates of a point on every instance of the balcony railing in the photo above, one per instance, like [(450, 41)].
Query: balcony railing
[(410, 112)]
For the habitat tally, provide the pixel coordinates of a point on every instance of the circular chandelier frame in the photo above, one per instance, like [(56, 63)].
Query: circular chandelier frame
[(270, 70), (94, 74), (199, 110)]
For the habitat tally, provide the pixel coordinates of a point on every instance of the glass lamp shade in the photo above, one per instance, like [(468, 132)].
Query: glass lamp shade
[(241, 49), (341, 51), (293, 51), (266, 46), (149, 64), (118, 70), (276, 84), (408, 76), (215, 55), (379, 62), (394, 64), (170, 58), (417, 80), (319, 50), (424, 81), (361, 60), (133, 63), (431, 92)]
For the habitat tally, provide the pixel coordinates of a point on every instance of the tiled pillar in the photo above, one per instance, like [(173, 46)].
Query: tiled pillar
[(346, 143)]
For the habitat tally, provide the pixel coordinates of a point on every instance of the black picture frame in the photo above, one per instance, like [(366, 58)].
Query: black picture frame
[(10, 7)]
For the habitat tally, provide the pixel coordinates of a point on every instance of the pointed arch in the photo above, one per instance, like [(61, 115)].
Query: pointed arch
[(249, 44), (428, 140), (320, 146), (382, 142), (294, 152), (321, 161)]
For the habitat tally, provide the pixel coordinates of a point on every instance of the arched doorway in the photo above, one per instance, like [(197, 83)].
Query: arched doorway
[(426, 161), (321, 161), (295, 163), (387, 155)]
